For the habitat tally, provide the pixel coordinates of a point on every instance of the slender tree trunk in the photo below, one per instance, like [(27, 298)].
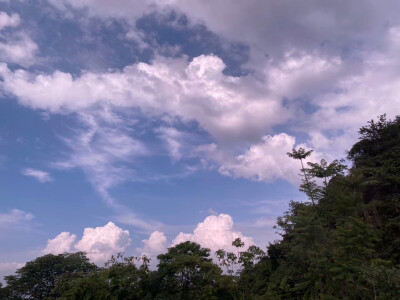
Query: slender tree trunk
[(310, 192)]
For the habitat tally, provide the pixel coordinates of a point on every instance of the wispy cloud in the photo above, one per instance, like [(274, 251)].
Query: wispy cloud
[(40, 175), (103, 148), (15, 218), (106, 150)]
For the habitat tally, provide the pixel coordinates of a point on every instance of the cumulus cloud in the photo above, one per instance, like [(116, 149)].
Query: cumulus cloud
[(64, 242), (215, 232), (265, 161), (41, 176), (15, 218), (102, 242), (99, 243), (154, 245)]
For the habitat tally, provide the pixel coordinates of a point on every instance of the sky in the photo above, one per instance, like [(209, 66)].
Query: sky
[(133, 125)]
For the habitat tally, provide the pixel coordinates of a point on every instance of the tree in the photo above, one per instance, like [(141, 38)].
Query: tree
[(308, 185), (186, 271), (37, 279), (239, 268), (120, 279), (4, 292)]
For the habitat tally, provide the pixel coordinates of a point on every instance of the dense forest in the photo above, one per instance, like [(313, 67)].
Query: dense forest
[(343, 243)]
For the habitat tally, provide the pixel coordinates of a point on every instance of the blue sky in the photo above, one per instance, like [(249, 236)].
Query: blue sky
[(129, 126)]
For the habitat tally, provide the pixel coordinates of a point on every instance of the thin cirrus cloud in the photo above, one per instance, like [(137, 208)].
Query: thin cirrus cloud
[(15, 219), (104, 149), (39, 175), (101, 142)]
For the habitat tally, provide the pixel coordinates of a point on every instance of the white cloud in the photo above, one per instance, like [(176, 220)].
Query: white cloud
[(215, 232), (172, 139), (100, 147), (21, 50), (127, 217), (99, 243), (9, 20), (16, 47), (102, 242), (267, 26), (265, 161), (305, 89), (41, 176), (106, 8), (273, 26), (235, 110), (156, 244), (227, 107), (104, 148), (15, 218), (304, 74), (64, 242)]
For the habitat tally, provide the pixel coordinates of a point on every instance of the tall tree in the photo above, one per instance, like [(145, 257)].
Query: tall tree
[(37, 279), (187, 272)]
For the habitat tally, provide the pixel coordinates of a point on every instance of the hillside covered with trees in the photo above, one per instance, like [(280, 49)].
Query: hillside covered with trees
[(344, 243)]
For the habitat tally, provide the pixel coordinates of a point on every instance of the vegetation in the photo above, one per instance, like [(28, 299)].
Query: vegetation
[(344, 243)]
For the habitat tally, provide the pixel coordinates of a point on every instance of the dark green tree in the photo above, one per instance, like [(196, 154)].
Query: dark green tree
[(37, 279), (4, 292), (239, 267), (120, 279), (186, 271)]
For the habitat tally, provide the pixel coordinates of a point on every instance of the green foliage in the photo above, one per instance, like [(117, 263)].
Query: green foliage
[(121, 279), (4, 292), (241, 278), (186, 271), (347, 247), (38, 278)]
